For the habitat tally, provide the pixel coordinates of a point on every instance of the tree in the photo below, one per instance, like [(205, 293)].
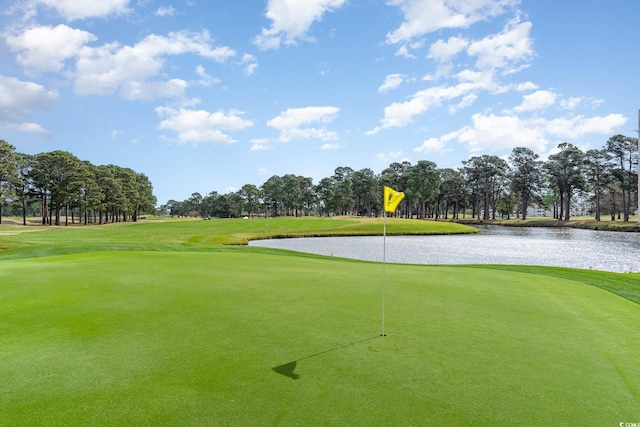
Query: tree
[(111, 187), (251, 198), (58, 173), (526, 175), (598, 175), (21, 183), (194, 205), (452, 190), (292, 194), (366, 186), (90, 194), (566, 172), (325, 191), (146, 201), (624, 151), (273, 194), (485, 175), (7, 170), (424, 184), (344, 198), (308, 194)]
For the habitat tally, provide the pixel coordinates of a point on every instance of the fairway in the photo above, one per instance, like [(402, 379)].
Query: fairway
[(249, 336)]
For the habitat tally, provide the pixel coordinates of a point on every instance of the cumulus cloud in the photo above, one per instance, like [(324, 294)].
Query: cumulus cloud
[(425, 16), (444, 51), (294, 123), (392, 156), (28, 127), (111, 67), (249, 64), (495, 132), (291, 20), (114, 68), (18, 98), (505, 50), (538, 100), (46, 48), (201, 126), (392, 81), (165, 11), (329, 146), (400, 114), (261, 144), (74, 9)]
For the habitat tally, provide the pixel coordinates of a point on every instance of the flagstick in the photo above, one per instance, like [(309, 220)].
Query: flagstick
[(384, 263)]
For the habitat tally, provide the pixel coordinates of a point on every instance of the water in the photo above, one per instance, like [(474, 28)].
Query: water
[(562, 247)]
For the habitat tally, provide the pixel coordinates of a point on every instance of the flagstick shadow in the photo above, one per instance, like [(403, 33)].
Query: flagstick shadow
[(288, 369)]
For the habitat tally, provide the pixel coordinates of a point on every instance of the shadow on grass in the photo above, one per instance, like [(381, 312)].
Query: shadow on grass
[(288, 368)]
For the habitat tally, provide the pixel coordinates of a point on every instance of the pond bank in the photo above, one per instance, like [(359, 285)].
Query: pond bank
[(586, 224)]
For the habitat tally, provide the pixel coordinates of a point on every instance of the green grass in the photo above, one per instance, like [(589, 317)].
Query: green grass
[(20, 241), (163, 326)]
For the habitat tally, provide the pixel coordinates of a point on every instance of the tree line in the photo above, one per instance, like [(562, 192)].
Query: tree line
[(604, 181), (56, 184)]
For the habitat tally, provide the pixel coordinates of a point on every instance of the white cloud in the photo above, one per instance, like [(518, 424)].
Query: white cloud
[(425, 16), (578, 126), (392, 81), (491, 132), (538, 100), (436, 144), (442, 51), (145, 90), (293, 122), (465, 102), (504, 50), (430, 145), (198, 126), (392, 156), (75, 9), (261, 144), (404, 52), (165, 11), (112, 67), (524, 87), (28, 127), (18, 97), (331, 146), (291, 20), (571, 103), (400, 114), (205, 79), (250, 64), (46, 48)]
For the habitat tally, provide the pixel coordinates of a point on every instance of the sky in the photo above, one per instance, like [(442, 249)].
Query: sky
[(205, 96)]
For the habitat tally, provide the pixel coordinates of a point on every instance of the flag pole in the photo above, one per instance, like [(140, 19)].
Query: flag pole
[(384, 263), (390, 204)]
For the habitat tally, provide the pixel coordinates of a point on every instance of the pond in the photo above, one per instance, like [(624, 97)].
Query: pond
[(562, 247)]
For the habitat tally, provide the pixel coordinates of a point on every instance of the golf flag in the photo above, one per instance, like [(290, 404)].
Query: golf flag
[(391, 199)]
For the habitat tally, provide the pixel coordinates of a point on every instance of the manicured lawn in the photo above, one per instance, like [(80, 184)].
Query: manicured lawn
[(185, 332)]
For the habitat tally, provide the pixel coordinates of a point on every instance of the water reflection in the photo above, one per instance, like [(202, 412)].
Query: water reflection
[(563, 247)]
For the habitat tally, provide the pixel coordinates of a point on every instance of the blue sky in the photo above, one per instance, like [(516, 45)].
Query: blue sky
[(208, 96)]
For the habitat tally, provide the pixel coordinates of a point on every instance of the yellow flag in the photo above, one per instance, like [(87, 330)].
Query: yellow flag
[(391, 199)]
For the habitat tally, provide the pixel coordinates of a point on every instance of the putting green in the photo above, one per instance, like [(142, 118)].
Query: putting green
[(258, 337)]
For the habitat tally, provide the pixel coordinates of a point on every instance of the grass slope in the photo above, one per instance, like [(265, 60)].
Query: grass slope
[(186, 332), (18, 241)]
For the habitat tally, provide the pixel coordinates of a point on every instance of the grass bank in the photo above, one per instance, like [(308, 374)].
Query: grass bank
[(588, 223), (160, 324)]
